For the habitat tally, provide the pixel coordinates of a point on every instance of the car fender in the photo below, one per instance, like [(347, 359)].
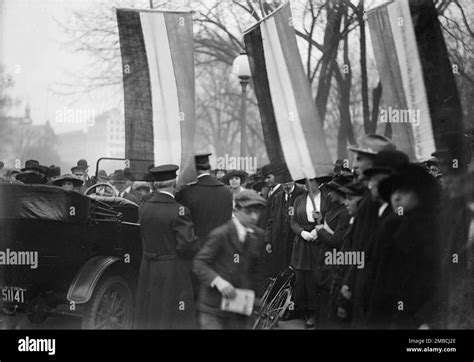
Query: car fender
[(83, 284)]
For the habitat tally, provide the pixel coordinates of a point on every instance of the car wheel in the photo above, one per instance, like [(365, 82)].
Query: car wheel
[(111, 305)]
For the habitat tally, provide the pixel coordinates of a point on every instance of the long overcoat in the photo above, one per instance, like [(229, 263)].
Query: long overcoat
[(165, 297)]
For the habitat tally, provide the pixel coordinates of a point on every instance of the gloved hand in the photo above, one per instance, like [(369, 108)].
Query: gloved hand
[(345, 292), (307, 236), (223, 286), (341, 313), (314, 234)]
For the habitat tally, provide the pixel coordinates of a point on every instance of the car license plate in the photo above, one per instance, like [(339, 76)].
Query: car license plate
[(13, 294)]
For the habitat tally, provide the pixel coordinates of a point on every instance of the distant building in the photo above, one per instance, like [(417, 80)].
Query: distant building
[(105, 138)]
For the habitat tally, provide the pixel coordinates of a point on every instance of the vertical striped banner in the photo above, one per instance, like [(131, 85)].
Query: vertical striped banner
[(402, 34), (293, 134), (158, 75)]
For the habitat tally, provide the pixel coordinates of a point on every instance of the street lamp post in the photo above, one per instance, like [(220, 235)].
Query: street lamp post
[(242, 68)]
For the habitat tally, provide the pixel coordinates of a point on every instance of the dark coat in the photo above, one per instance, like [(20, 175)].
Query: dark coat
[(266, 211), (278, 232), (364, 231), (407, 271), (210, 202), (305, 253), (338, 220), (165, 296), (218, 258)]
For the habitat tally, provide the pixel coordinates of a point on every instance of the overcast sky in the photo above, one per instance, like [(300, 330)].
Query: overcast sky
[(33, 44)]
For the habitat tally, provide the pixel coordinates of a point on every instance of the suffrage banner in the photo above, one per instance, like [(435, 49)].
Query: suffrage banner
[(158, 77), (418, 88), (293, 133)]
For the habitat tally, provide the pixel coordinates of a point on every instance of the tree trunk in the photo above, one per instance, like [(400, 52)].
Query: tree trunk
[(335, 12), (376, 98), (363, 67)]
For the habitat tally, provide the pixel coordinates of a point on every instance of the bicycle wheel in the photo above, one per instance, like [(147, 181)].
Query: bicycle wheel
[(273, 311)]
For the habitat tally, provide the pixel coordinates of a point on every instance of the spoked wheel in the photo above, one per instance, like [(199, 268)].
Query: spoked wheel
[(274, 310), (110, 307)]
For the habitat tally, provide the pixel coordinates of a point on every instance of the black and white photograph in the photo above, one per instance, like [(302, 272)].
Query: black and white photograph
[(293, 173)]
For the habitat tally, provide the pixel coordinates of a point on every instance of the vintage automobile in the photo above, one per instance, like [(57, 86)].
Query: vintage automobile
[(62, 252)]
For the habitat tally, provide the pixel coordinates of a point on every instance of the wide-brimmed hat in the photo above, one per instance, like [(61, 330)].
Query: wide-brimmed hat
[(339, 181), (411, 177), (355, 188), (76, 181), (248, 198), (387, 161), (32, 165), (372, 144), (31, 177), (235, 173)]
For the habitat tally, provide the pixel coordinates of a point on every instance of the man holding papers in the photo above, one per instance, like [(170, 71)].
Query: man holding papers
[(229, 265)]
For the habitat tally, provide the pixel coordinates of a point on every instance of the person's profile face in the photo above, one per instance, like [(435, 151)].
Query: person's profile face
[(351, 202), (270, 180), (362, 162)]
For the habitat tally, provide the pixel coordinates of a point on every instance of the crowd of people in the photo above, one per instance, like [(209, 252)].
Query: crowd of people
[(372, 246)]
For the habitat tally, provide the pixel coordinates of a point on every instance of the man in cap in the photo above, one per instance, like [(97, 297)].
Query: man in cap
[(165, 296), (230, 259), (372, 211), (209, 200)]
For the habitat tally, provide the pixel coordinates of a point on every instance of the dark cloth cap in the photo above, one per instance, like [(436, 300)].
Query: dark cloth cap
[(235, 173), (164, 172), (68, 177), (202, 161), (248, 198), (387, 161)]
